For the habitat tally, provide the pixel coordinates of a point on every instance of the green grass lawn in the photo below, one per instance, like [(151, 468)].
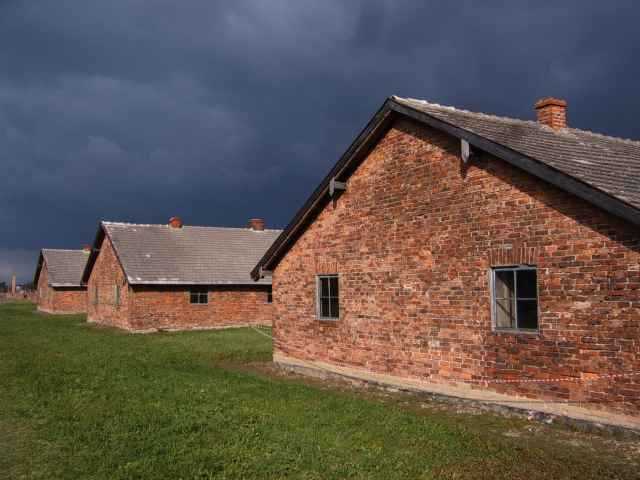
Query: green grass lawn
[(78, 401)]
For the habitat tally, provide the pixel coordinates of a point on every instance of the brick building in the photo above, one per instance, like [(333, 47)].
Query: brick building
[(488, 254), (174, 277), (58, 281)]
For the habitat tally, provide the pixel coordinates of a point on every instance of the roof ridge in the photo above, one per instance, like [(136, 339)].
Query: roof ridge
[(479, 114), (561, 131), (63, 250), (129, 224), (232, 228)]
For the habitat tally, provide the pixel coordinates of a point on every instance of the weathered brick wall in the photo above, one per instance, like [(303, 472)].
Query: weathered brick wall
[(106, 274), (65, 300), (69, 300), (413, 239), (45, 292), (170, 308)]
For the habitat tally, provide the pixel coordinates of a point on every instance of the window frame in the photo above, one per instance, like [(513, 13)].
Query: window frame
[(492, 279), (116, 295), (199, 291), (319, 278)]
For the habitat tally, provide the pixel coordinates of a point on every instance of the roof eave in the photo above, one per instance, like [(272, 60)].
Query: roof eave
[(88, 268), (367, 136), (349, 161), (36, 277)]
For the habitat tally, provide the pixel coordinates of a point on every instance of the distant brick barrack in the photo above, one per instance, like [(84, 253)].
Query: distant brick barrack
[(175, 277), (58, 281), (497, 271)]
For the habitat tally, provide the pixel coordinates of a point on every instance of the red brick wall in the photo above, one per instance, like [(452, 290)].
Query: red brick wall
[(45, 292), (106, 274), (145, 308), (170, 308), (65, 300), (413, 239)]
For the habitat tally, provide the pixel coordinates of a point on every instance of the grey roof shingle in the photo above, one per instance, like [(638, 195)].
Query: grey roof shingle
[(162, 255), (606, 163), (65, 267)]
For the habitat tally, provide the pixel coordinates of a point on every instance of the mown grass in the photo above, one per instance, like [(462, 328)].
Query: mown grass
[(83, 402)]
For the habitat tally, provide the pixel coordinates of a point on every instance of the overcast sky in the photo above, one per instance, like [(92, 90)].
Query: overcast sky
[(137, 110)]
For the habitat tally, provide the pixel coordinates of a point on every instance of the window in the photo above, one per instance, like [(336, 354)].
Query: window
[(199, 295), (328, 304), (269, 297), (95, 295), (515, 298), (116, 295)]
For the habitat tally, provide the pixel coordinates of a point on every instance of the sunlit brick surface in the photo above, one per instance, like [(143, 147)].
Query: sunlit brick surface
[(413, 239)]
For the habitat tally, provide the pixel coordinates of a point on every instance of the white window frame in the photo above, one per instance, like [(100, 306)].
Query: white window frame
[(492, 280), (319, 279)]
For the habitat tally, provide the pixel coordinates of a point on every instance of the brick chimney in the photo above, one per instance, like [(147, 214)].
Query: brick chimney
[(552, 112), (256, 224), (175, 222)]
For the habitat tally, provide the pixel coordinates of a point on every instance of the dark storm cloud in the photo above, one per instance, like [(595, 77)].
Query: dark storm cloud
[(218, 111)]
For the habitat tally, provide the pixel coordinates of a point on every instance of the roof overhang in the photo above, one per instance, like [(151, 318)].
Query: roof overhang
[(39, 267), (93, 255), (378, 125)]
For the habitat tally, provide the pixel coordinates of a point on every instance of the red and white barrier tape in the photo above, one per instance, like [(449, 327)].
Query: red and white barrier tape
[(549, 380), (591, 378)]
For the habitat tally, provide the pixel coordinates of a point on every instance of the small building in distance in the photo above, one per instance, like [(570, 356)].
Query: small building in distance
[(177, 277), (58, 281)]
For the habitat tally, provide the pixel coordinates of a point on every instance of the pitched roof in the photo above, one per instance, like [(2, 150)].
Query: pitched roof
[(163, 255), (64, 267), (607, 163), (600, 169)]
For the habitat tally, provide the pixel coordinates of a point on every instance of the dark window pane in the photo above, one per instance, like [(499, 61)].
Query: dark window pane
[(325, 311), (199, 296), (505, 317), (334, 286), (504, 284), (328, 296), (528, 314), (324, 287), (526, 283), (335, 308)]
